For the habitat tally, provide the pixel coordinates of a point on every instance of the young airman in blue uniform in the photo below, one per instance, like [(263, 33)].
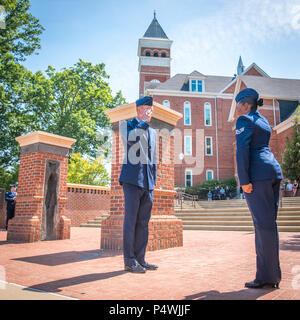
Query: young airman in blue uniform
[(260, 176), (138, 178), (11, 202)]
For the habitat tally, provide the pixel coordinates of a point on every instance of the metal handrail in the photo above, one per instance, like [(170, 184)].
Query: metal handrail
[(182, 196)]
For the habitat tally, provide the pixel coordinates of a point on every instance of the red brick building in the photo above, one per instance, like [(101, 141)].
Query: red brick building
[(205, 134)]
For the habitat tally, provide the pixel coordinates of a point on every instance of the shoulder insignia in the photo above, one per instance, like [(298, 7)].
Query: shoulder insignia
[(239, 130)]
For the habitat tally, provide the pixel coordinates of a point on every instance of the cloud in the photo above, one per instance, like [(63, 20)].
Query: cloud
[(240, 26), (212, 44)]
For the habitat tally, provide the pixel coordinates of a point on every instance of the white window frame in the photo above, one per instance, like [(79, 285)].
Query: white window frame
[(190, 171), (190, 85), (167, 103), (207, 106), (185, 145), (212, 150), (212, 174), (187, 105)]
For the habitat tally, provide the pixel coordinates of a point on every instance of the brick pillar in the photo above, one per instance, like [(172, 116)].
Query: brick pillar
[(42, 189), (165, 230)]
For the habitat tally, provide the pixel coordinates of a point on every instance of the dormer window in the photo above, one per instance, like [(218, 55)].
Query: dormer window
[(196, 85)]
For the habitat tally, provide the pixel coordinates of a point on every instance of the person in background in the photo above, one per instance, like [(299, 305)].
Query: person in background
[(289, 186), (295, 188), (10, 198), (209, 196), (227, 193), (216, 193), (222, 193), (242, 193), (260, 176), (283, 188)]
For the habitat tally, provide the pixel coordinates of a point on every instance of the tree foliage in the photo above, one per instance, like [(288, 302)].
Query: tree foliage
[(87, 171), (19, 39), (291, 156), (70, 102)]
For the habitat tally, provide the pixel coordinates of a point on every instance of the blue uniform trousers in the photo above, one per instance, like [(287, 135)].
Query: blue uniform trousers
[(263, 203), (138, 205)]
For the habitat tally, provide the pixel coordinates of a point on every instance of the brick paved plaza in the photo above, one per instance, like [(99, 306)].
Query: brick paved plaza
[(210, 265)]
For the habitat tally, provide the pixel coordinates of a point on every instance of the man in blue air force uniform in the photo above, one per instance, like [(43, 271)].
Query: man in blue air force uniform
[(260, 176), (138, 178), (11, 202)]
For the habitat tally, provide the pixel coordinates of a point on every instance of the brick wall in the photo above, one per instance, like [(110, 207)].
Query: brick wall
[(221, 160), (86, 203)]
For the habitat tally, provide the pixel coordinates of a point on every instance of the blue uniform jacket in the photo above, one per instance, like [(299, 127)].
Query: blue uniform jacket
[(140, 162), (255, 161), (9, 198)]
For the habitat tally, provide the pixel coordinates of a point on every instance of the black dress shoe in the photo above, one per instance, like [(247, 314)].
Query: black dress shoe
[(257, 284), (135, 268), (149, 266)]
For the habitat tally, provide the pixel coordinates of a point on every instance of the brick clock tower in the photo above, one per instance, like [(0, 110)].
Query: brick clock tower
[(154, 53)]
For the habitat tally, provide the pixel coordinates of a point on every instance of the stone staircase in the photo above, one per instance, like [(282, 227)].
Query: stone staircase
[(95, 223), (233, 215)]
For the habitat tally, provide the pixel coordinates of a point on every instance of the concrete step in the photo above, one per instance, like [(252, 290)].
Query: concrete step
[(237, 228), (96, 222), (233, 218), (90, 225), (192, 210), (237, 223)]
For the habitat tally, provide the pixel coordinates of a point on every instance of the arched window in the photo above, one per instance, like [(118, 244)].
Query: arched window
[(155, 54), (187, 113), (207, 114), (166, 103), (209, 175), (155, 81), (148, 54), (163, 55)]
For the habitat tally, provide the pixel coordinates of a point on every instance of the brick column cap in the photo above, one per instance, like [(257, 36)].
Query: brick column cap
[(128, 111), (45, 137)]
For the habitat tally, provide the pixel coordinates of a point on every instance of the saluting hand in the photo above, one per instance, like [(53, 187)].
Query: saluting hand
[(248, 188)]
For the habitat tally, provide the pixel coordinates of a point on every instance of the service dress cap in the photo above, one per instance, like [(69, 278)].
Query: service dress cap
[(145, 101), (248, 92)]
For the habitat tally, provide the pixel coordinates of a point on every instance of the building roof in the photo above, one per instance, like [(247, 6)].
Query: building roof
[(155, 30), (179, 82), (274, 87), (196, 74)]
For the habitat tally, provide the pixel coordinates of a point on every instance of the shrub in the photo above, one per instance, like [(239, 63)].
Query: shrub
[(202, 189)]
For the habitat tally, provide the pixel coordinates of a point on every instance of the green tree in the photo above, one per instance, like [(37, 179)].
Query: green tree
[(87, 171), (21, 35), (8, 177), (291, 156), (72, 102), (19, 39)]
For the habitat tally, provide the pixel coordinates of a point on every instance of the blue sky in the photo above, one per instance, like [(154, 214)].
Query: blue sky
[(208, 36)]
